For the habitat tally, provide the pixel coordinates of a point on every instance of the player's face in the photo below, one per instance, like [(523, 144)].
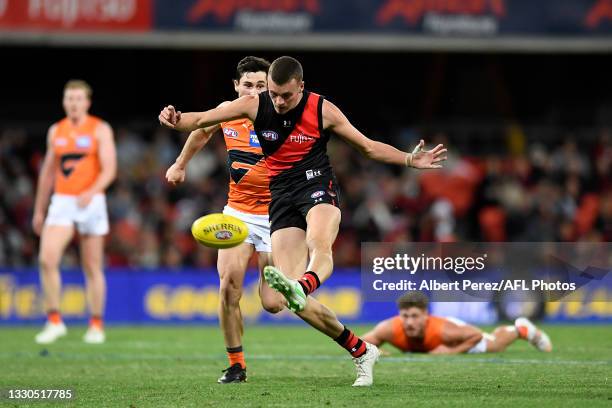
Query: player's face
[(251, 83), (76, 103), (285, 97), (413, 320)]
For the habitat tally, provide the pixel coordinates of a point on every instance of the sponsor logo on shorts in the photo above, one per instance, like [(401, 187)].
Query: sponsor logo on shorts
[(229, 132), (317, 194), (310, 174), (253, 140), (83, 141), (269, 135), (223, 235)]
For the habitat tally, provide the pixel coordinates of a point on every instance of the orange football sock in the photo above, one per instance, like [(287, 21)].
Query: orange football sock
[(97, 322), (235, 355), (54, 317)]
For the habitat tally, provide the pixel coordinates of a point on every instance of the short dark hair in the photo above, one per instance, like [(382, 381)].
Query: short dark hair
[(284, 69), (251, 64), (416, 299)]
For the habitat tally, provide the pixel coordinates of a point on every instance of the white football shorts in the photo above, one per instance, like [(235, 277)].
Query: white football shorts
[(91, 220), (259, 228), (481, 346)]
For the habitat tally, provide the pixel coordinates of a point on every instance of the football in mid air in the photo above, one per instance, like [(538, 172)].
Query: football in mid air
[(219, 230)]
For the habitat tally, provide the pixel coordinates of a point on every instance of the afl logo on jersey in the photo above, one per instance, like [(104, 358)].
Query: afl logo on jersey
[(253, 140), (317, 194), (269, 135), (229, 132), (60, 141), (83, 141)]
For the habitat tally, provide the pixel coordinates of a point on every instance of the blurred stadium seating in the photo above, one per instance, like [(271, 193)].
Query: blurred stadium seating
[(516, 191)]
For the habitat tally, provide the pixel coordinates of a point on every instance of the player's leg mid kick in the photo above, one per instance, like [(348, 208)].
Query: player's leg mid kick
[(292, 247)]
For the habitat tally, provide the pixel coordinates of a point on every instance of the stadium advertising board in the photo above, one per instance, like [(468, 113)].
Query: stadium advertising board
[(446, 17), (76, 15), (465, 18), (165, 296)]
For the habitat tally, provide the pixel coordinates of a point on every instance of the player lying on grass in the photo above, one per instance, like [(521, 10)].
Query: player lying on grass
[(416, 331)]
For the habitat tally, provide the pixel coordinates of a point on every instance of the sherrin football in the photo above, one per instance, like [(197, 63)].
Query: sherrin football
[(219, 230)]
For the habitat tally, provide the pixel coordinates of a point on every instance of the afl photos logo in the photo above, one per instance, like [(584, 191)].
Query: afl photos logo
[(269, 135)]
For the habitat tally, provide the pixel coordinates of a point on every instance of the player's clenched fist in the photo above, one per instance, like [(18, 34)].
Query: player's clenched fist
[(175, 174), (169, 116)]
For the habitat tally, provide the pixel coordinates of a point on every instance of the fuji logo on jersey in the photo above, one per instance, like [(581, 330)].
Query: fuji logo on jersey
[(83, 141), (269, 135), (223, 235), (253, 140), (301, 138), (317, 194), (229, 132)]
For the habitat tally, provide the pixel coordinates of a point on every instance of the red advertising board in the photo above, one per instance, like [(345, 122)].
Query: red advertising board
[(78, 15)]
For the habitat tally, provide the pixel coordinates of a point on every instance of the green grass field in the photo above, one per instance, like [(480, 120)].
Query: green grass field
[(296, 366)]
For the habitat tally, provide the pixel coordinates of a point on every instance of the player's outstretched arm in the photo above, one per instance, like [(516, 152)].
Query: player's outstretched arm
[(243, 107), (336, 121), (380, 334), (195, 142), (45, 185), (460, 338)]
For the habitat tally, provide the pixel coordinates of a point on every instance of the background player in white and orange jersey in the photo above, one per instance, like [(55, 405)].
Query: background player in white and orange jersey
[(415, 330), (248, 199), (79, 165)]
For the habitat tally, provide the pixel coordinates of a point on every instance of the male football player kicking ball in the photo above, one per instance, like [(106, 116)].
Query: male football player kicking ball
[(293, 126), (248, 200), (415, 330)]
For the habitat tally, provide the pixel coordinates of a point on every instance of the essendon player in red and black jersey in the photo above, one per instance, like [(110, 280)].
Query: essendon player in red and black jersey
[(293, 127), (295, 147)]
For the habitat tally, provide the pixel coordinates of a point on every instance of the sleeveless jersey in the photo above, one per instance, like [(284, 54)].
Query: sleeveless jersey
[(295, 143), (76, 150), (249, 189), (431, 339)]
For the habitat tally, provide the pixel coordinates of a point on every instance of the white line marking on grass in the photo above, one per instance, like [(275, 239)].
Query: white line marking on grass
[(269, 357)]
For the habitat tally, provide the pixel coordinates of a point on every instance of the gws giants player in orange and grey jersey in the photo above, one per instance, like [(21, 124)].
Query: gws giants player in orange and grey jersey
[(293, 127), (415, 330), (248, 199), (79, 165)]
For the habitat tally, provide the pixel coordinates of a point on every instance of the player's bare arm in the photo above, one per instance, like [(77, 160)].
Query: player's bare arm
[(336, 121), (108, 165), (457, 339), (243, 107), (195, 142), (45, 185), (379, 335)]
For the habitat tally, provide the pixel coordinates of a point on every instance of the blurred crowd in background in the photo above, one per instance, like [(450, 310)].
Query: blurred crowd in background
[(505, 184)]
